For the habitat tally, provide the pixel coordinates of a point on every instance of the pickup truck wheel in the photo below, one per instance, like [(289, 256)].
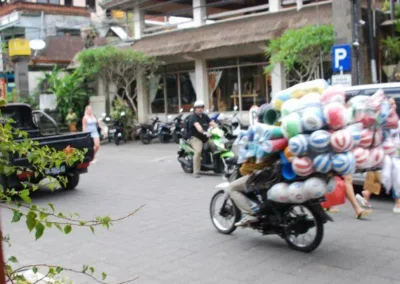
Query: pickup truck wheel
[(72, 181)]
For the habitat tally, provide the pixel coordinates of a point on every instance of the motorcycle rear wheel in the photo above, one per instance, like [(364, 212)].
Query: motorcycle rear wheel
[(224, 219), (294, 235), (185, 168)]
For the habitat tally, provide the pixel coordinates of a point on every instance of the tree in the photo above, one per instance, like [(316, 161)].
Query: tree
[(38, 219), (70, 90), (300, 50), (120, 66)]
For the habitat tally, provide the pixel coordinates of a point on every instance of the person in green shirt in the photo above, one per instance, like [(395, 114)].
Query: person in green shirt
[(71, 119)]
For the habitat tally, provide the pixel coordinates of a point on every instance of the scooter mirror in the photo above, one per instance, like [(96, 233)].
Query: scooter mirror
[(181, 110), (108, 119), (235, 108)]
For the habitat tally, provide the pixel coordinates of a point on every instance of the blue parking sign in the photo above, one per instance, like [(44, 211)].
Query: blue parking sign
[(341, 58)]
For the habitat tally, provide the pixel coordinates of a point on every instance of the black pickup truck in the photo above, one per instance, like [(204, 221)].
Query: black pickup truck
[(32, 122)]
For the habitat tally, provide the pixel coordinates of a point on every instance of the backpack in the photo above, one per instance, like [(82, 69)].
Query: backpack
[(186, 127)]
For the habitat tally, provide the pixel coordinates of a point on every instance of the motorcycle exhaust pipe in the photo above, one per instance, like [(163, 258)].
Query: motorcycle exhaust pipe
[(185, 162)]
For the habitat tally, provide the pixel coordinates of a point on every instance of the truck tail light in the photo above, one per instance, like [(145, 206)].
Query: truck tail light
[(25, 175), (83, 166)]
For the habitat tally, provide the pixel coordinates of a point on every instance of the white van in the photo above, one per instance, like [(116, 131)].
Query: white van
[(390, 89)]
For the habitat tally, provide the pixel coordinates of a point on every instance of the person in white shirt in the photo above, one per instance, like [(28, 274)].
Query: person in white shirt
[(366, 195)]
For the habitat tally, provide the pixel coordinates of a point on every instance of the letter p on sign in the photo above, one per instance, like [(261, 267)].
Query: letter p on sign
[(341, 58)]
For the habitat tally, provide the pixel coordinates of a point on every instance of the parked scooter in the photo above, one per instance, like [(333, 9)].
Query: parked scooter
[(155, 130), (115, 128), (103, 128), (223, 160), (178, 127), (119, 133)]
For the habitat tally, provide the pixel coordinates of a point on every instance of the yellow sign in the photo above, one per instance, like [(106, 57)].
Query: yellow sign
[(117, 14), (19, 47)]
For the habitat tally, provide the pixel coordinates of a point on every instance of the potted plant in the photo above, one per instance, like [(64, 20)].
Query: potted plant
[(391, 55)]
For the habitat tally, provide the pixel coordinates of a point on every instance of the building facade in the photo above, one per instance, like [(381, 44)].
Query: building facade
[(219, 54)]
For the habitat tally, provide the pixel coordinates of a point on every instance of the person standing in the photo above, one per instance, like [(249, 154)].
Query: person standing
[(71, 119), (199, 122), (89, 124), (366, 195)]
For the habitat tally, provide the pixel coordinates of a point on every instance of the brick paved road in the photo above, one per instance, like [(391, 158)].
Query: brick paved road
[(171, 240)]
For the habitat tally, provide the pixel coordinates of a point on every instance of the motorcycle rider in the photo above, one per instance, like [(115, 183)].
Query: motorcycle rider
[(238, 188), (199, 122)]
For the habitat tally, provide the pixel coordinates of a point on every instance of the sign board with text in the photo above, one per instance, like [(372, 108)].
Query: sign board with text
[(342, 79), (341, 58)]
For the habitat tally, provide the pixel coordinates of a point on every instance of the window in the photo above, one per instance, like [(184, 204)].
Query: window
[(54, 2), (253, 86), (228, 89), (91, 4), (188, 94), (156, 93), (68, 3), (224, 89), (69, 32), (172, 93)]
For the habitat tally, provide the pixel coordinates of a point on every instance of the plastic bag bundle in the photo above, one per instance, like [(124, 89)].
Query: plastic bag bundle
[(298, 91), (299, 192)]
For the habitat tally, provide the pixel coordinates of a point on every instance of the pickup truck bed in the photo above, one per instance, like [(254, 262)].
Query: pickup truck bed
[(80, 140), (28, 121)]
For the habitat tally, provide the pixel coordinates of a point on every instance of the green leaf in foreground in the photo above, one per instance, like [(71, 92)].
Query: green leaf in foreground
[(67, 229), (13, 259), (39, 230), (17, 216), (31, 221)]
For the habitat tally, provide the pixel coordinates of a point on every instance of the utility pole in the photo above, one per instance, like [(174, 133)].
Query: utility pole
[(371, 43)]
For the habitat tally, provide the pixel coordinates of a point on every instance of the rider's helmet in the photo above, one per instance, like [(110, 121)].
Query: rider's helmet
[(198, 104)]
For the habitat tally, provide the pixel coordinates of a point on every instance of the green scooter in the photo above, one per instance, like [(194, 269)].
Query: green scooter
[(223, 160)]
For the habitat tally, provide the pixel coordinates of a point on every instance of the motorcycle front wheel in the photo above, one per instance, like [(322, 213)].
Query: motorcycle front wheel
[(165, 138), (304, 228), (144, 137), (175, 137), (116, 140), (224, 214)]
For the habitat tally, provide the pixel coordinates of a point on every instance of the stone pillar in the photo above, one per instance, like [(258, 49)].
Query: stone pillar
[(344, 25), (278, 78), (274, 6), (21, 76), (142, 99), (199, 12), (201, 76), (138, 22)]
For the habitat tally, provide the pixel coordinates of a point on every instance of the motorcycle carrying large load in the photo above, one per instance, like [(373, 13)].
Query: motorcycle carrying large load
[(319, 136)]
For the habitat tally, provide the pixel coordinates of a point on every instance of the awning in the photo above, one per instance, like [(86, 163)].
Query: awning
[(253, 29)]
